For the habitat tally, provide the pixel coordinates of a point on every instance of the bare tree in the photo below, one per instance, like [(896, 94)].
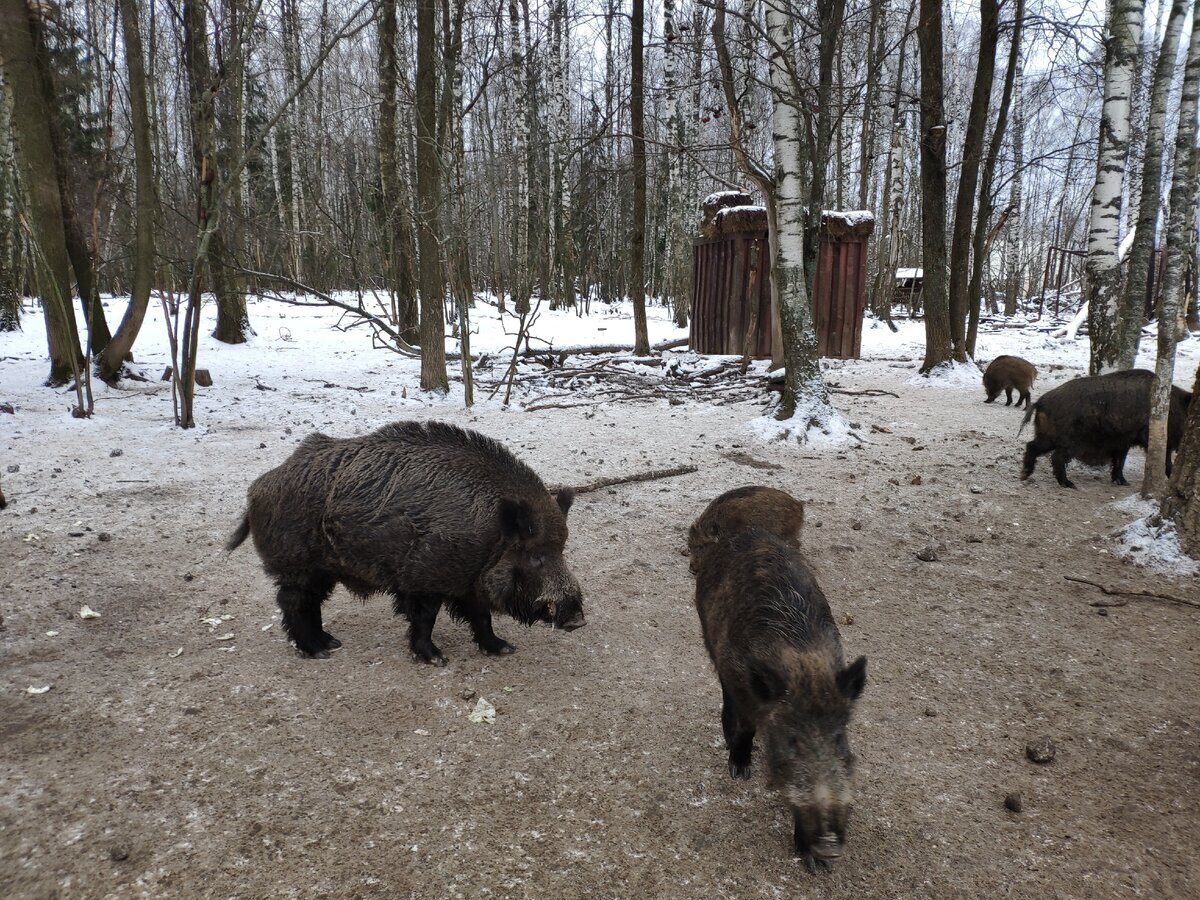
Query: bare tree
[(1103, 266), (939, 348), (1180, 229), (429, 177)]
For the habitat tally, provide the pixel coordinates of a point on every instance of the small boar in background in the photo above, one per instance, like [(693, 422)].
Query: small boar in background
[(1096, 419), (753, 506), (1009, 373), (432, 514), (777, 652)]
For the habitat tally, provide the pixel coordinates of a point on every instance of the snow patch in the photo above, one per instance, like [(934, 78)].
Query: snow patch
[(734, 210), (815, 424), (852, 217), (951, 374), (1151, 541), (721, 196)]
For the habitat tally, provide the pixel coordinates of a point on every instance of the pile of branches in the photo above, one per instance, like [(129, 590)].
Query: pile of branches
[(568, 379)]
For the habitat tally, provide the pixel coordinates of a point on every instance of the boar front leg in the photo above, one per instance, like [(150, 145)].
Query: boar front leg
[(480, 620), (421, 611)]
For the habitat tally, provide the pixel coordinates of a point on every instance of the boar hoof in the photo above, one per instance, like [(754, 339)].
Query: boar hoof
[(1120, 479), (816, 864), (313, 654), (1068, 483), (331, 643), (500, 648), (431, 655), (739, 770)]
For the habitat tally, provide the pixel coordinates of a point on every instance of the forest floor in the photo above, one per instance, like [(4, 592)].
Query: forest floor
[(174, 757)]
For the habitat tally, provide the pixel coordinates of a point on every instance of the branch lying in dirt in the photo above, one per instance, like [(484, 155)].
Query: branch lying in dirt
[(653, 475), (1117, 592), (564, 352), (869, 392)]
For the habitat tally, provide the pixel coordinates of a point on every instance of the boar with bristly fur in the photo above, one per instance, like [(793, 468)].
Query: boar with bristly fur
[(753, 506), (1096, 420), (1008, 374), (432, 514), (777, 652)]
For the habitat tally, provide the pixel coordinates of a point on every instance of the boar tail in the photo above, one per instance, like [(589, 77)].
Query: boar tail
[(243, 530), (1029, 410)]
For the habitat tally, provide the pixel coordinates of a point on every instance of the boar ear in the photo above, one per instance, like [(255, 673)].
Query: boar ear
[(852, 679), (766, 683), (516, 523), (565, 498)]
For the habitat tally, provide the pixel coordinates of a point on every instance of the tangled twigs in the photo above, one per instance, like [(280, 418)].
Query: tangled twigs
[(1117, 592), (869, 392), (652, 475)]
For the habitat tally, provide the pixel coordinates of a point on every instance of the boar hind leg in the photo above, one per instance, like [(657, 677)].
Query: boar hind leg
[(1032, 452), (300, 599), (421, 610), (1058, 461), (1024, 398), (1118, 467), (739, 737), (1008, 396)]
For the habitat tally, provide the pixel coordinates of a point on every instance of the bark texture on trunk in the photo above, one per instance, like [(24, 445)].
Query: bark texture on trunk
[(146, 203), (968, 175), (1102, 267), (637, 238), (1141, 253), (433, 326), (938, 347), (34, 151), (1180, 225)]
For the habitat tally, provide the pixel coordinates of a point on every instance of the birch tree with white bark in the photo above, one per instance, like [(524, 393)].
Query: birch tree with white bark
[(1102, 267)]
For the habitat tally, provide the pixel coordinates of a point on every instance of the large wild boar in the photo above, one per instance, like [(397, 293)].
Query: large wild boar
[(432, 514), (1096, 420), (1009, 373), (778, 655), (753, 506)]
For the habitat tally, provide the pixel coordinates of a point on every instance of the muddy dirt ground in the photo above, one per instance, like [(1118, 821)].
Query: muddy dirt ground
[(236, 769)]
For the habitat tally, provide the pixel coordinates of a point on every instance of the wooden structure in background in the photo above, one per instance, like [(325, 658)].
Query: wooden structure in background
[(731, 287), (840, 283)]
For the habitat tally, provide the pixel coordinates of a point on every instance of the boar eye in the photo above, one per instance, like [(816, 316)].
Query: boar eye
[(536, 562)]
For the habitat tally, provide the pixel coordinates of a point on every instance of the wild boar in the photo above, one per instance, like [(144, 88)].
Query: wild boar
[(432, 514), (1096, 420), (777, 652), (754, 506), (1009, 373)]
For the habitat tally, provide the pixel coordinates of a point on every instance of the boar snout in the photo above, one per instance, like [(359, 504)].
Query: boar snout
[(568, 614)]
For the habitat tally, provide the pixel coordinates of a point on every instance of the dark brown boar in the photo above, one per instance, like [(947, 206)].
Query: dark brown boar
[(753, 506), (1096, 420), (432, 514), (778, 655), (1009, 373)]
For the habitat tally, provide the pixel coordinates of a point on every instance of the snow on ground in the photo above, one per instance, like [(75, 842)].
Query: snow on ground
[(317, 354)]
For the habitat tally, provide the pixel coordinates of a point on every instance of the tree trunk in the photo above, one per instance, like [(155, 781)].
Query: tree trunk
[(397, 242), (10, 279), (830, 14), (113, 357), (34, 152), (637, 237), (964, 206), (1141, 253), (1011, 265), (519, 273), (938, 347), (980, 248), (1102, 267), (433, 327), (1180, 225), (233, 319)]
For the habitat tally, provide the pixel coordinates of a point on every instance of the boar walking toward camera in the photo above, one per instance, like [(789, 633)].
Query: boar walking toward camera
[(432, 514), (1096, 420), (1009, 373), (754, 506), (778, 655)]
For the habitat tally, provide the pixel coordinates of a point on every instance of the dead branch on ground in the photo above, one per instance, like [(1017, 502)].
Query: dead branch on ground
[(653, 475), (1118, 592)]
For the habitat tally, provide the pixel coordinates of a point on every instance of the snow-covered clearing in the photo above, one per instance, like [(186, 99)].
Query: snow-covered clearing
[(174, 757)]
